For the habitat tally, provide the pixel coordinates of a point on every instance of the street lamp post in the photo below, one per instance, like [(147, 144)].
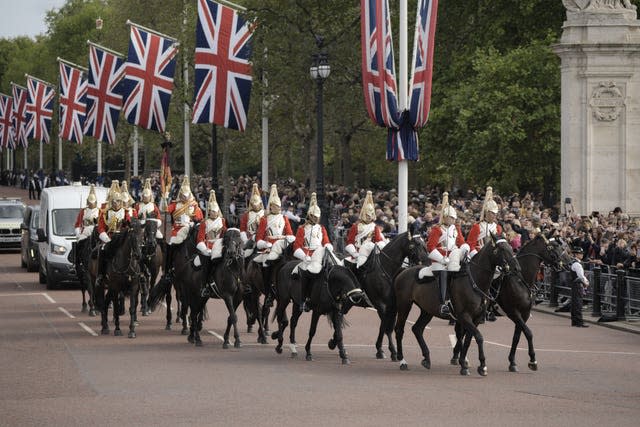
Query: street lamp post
[(319, 71)]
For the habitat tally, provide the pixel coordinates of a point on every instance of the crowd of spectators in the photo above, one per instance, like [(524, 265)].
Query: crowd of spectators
[(610, 238)]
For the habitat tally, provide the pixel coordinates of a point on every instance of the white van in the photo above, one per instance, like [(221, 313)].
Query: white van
[(59, 207)]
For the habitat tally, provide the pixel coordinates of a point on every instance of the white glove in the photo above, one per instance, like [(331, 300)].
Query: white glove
[(269, 244), (78, 231), (290, 239), (307, 258), (104, 237), (445, 260), (329, 247), (351, 250)]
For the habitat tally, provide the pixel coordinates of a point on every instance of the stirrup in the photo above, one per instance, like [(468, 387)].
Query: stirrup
[(445, 310)]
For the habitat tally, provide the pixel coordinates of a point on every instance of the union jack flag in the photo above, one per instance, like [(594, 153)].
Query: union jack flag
[(104, 100), (423, 45), (148, 80), (222, 69), (6, 131), (39, 109), (73, 91), (378, 67), (19, 115)]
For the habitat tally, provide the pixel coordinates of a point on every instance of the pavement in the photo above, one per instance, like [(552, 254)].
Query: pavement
[(628, 325)]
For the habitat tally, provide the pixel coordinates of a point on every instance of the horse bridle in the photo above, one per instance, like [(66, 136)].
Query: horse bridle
[(134, 259), (504, 268)]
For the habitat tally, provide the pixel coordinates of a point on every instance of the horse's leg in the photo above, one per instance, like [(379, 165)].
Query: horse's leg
[(459, 330), (144, 290), (418, 331), (338, 319), (381, 330), (104, 311), (133, 308), (181, 311), (390, 318), (232, 320), (472, 330), (403, 313), (312, 331), (295, 316), (254, 314), (83, 289), (116, 312), (266, 309), (92, 293), (521, 327), (283, 322)]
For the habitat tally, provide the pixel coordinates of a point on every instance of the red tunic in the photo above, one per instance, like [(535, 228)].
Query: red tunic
[(434, 240), (262, 230), (353, 233), (102, 222), (299, 243), (155, 214), (196, 216), (202, 233), (474, 240)]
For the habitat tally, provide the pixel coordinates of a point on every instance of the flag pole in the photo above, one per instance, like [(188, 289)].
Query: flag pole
[(186, 115), (106, 49), (29, 76), (149, 30), (233, 5), (403, 166), (71, 64)]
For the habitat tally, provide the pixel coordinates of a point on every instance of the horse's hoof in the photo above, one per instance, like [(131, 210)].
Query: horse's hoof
[(92, 313), (274, 336), (309, 357), (237, 344), (533, 366), (513, 368), (464, 371), (132, 334), (225, 345), (198, 343), (249, 329), (394, 357), (105, 331), (144, 313), (185, 331), (167, 328), (84, 309), (136, 323), (404, 366), (332, 344), (191, 339), (294, 355), (279, 350), (117, 333), (379, 354), (454, 361), (262, 340), (426, 363), (346, 361), (482, 370)]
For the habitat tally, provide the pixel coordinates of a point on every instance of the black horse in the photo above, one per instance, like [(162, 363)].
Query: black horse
[(255, 277), (122, 276), (82, 256), (516, 294), (152, 260), (376, 278), (469, 295), (333, 291), (227, 276)]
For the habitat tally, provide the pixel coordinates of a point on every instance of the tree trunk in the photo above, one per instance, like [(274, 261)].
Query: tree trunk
[(224, 174), (347, 171)]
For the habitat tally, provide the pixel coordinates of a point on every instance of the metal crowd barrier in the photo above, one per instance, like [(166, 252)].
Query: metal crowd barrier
[(606, 298)]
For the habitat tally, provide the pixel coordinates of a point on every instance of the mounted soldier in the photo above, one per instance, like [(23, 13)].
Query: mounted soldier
[(446, 248), (209, 243), (127, 201), (274, 231), (250, 221), (184, 213), (88, 217), (111, 222), (364, 235), (480, 232), (146, 209), (309, 247)]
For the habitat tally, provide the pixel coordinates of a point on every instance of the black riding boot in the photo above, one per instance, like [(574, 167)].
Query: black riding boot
[(304, 290), (102, 267), (168, 263), (442, 283), (209, 288), (268, 287)]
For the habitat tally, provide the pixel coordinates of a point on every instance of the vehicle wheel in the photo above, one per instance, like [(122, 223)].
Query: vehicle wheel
[(50, 284), (42, 277)]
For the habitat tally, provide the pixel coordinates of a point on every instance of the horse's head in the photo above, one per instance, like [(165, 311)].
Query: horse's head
[(552, 255), (501, 254), (233, 247), (417, 250), (344, 288), (149, 240), (135, 236)]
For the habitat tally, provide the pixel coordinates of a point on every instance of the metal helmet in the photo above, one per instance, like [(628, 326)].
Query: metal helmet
[(368, 210), (185, 189), (489, 204), (274, 199), (212, 206), (115, 188), (127, 200), (447, 209), (91, 198), (314, 209), (146, 192), (255, 201)]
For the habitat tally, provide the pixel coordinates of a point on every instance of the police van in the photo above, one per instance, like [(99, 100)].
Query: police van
[(59, 208)]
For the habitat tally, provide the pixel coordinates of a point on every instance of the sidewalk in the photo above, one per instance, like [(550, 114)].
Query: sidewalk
[(632, 326)]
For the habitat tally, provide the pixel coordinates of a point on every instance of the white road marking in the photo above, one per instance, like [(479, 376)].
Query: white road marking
[(88, 329), (408, 321), (220, 337), (452, 340), (557, 350), (62, 309), (26, 294)]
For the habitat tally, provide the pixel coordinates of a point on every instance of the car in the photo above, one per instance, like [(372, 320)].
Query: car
[(11, 214), (59, 207), (29, 252)]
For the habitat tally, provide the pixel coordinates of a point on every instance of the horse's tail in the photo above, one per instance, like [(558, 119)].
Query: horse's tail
[(158, 293)]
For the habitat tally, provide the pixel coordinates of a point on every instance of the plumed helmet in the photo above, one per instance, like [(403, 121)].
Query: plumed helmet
[(274, 199), (146, 192), (91, 198), (115, 188), (185, 188), (489, 204), (447, 209), (314, 209), (255, 196), (124, 192), (368, 210), (212, 206)]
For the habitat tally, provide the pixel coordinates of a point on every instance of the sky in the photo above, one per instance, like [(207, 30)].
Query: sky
[(25, 17)]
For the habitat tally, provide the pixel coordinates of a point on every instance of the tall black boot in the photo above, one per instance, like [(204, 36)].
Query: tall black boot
[(102, 268), (444, 306), (304, 290), (268, 286), (168, 263)]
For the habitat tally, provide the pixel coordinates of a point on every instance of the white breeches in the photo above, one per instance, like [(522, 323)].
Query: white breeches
[(276, 249), (180, 236), (366, 249), (314, 265), (216, 250), (86, 232)]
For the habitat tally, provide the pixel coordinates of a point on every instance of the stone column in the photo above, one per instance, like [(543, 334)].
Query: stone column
[(600, 55)]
